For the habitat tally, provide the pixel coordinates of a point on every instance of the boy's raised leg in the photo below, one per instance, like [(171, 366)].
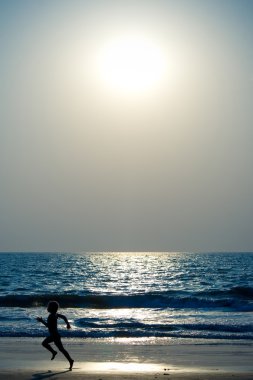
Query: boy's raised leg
[(46, 344)]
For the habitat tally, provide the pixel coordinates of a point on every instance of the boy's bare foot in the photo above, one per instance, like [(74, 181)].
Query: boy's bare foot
[(71, 364), (54, 355)]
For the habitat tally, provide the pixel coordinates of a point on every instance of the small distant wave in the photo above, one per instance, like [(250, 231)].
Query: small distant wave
[(245, 292), (180, 330), (135, 325), (240, 299), (84, 329)]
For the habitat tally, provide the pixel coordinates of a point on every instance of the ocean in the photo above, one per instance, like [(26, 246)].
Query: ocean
[(138, 296)]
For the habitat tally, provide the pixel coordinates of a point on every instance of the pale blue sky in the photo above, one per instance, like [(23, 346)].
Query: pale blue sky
[(87, 167)]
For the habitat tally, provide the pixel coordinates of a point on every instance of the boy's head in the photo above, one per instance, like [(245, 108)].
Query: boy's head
[(52, 306)]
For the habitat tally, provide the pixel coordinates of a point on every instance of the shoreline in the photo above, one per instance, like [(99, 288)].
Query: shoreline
[(25, 358)]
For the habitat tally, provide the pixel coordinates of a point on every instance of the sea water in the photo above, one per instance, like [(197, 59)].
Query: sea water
[(200, 296)]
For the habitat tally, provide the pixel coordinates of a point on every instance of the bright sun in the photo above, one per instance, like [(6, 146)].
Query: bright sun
[(131, 64)]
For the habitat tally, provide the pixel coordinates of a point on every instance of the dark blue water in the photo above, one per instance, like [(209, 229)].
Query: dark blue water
[(132, 295)]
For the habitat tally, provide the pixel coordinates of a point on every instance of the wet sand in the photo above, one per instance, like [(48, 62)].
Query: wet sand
[(25, 358)]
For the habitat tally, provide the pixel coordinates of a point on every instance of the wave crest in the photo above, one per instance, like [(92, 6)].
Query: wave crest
[(239, 299)]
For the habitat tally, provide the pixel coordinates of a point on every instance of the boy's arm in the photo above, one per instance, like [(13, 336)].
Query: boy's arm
[(65, 320), (39, 319)]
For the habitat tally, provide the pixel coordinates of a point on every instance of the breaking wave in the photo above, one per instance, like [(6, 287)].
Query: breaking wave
[(237, 298)]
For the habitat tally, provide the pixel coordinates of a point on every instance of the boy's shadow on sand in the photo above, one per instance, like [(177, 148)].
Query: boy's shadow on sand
[(47, 375)]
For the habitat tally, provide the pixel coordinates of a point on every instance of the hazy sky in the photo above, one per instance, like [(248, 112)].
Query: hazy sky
[(126, 125)]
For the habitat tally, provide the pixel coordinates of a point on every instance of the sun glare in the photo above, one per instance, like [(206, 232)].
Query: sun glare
[(131, 64)]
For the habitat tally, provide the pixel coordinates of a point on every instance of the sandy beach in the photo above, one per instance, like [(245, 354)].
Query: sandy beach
[(25, 358)]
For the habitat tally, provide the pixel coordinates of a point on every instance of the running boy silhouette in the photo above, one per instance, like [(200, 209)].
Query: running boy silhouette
[(54, 336)]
